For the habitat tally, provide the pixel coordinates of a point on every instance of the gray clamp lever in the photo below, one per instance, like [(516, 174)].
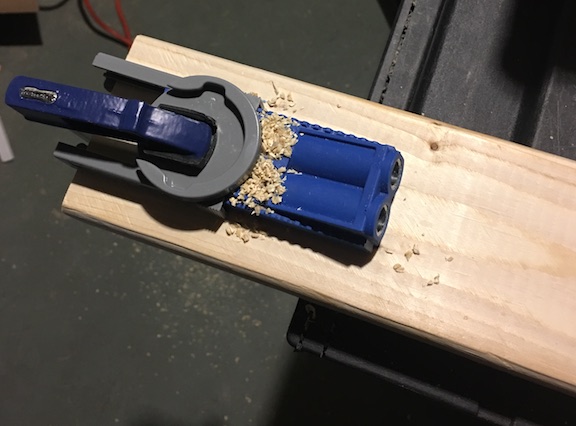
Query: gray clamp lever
[(231, 111)]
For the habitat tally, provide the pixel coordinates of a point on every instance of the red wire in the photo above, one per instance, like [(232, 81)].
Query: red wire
[(126, 38), (123, 21)]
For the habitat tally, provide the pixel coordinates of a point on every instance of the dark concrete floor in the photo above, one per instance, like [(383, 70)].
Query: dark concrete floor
[(98, 329)]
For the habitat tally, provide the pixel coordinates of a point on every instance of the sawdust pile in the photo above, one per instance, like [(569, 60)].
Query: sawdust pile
[(281, 100), (277, 136), (266, 183), (244, 234)]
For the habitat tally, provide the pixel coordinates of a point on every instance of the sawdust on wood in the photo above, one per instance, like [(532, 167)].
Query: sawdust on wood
[(245, 235), (266, 183), (434, 281), (277, 136), (281, 100), (398, 268)]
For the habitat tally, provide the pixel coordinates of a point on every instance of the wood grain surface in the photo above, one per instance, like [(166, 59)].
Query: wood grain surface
[(493, 220), (18, 6)]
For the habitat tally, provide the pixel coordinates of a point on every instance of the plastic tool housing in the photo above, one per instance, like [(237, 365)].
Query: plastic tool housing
[(337, 184), (156, 130), (342, 186)]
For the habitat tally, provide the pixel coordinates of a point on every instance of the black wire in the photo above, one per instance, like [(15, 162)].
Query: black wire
[(93, 26), (49, 7)]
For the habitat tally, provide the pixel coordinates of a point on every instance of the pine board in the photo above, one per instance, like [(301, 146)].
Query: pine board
[(505, 214)]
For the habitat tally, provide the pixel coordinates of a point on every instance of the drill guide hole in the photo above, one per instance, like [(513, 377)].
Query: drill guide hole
[(382, 220), (396, 174)]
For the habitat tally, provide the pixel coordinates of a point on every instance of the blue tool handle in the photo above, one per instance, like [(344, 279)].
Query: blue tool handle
[(107, 115)]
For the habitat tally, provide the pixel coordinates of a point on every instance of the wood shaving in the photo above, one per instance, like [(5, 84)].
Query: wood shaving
[(408, 255), (243, 234), (277, 136), (388, 251), (398, 268), (434, 281), (275, 88), (416, 250), (449, 259), (266, 183), (281, 100)]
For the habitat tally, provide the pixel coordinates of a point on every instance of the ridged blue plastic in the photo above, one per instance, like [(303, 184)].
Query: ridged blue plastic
[(107, 115), (338, 185)]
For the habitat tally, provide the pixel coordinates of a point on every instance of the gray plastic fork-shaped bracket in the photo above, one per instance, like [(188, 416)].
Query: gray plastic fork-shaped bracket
[(237, 138)]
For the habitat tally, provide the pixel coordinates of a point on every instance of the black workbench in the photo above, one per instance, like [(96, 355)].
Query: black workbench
[(506, 68)]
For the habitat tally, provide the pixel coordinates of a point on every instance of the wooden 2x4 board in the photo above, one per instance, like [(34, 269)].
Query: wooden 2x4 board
[(18, 6), (494, 224)]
